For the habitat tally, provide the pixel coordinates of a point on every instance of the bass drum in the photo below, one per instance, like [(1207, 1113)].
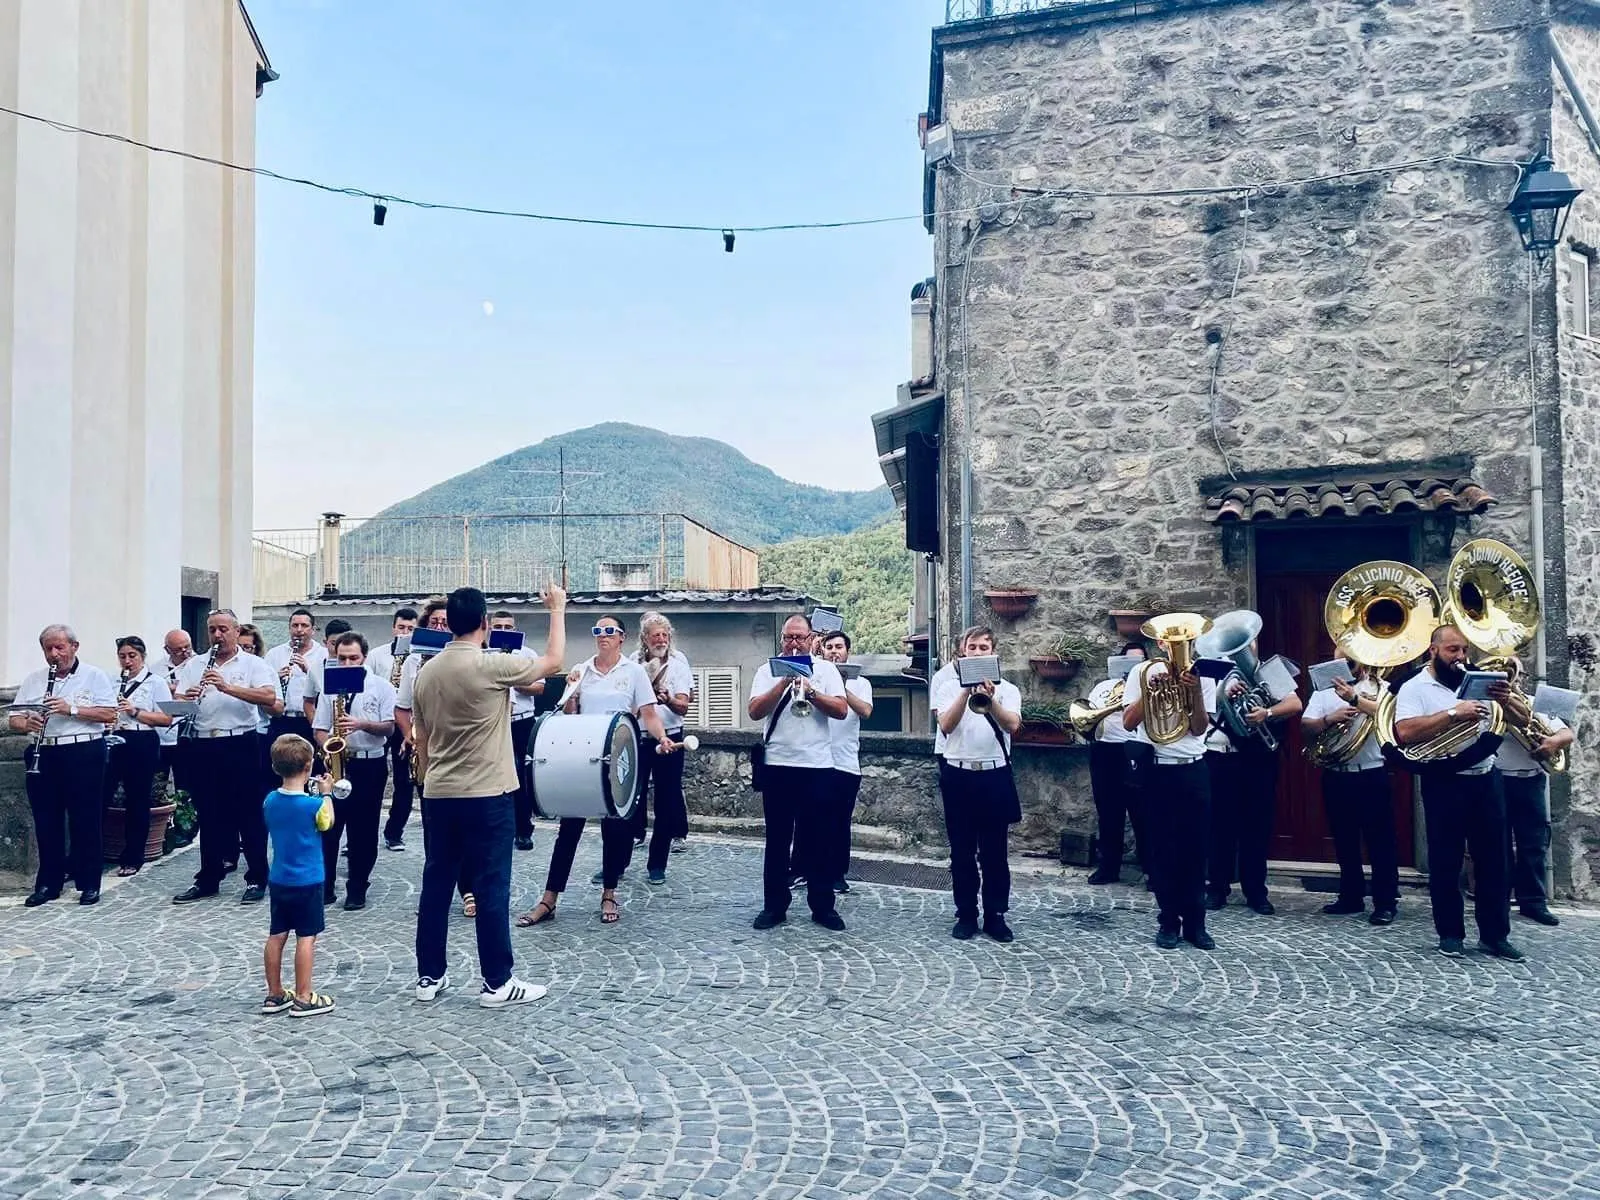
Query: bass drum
[(585, 765)]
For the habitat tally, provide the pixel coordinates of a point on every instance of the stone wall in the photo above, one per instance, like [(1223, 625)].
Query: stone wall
[(900, 789), (1577, 804), (18, 853)]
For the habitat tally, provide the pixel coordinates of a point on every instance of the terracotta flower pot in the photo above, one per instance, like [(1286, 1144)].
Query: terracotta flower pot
[(1055, 670), (1037, 733), (1129, 621), (113, 825), (1010, 603)]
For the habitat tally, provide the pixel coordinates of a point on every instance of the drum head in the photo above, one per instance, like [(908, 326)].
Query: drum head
[(622, 775)]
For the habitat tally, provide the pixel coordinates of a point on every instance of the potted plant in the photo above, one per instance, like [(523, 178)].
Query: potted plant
[(182, 824), (1010, 603), (1129, 620), (114, 825), (1063, 659), (1046, 723)]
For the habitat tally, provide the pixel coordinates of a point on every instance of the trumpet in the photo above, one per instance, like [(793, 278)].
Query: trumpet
[(798, 704)]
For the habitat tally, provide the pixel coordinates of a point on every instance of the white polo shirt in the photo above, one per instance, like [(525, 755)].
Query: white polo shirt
[(940, 678), (380, 661), (846, 734), (798, 741), (973, 739), (1111, 731), (374, 702), (145, 691), (408, 679), (1326, 701), (1189, 746), (624, 688), (1423, 695), (523, 705), (278, 658), (678, 680), (85, 686), (222, 712)]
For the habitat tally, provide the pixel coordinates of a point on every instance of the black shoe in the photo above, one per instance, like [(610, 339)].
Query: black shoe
[(328, 897), (997, 928), (965, 930), (639, 843), (390, 843), (767, 919), (228, 868), (599, 879), (1103, 876), (354, 903), (1501, 949), (1215, 903), (523, 843), (1541, 914), (796, 881), (194, 893), (1167, 939), (92, 896), (1451, 947), (829, 920), (1262, 906), (254, 894), (1382, 916), (1344, 908), (1200, 940), (42, 896), (842, 888)]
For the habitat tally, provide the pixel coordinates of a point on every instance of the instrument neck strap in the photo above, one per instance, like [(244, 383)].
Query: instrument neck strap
[(772, 721), (999, 736)]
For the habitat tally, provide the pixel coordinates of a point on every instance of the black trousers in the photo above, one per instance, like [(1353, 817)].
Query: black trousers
[(400, 803), (794, 805), (616, 851), (133, 767), (294, 723), (172, 764), (1467, 812), (67, 794), (1113, 781), (355, 818), (1244, 798), (1528, 829), (842, 794), (225, 780), (978, 814), (464, 868), (1178, 810), (1359, 809), (663, 775), (521, 730)]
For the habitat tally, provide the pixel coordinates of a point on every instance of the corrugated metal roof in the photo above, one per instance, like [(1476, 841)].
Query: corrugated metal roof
[(761, 595)]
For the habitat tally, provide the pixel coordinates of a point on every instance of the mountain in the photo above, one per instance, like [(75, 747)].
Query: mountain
[(867, 574), (639, 470)]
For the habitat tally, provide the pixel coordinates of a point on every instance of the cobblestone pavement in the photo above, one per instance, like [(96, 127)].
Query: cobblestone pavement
[(682, 1054)]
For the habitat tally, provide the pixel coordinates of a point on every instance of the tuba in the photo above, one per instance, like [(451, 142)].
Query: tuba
[(1166, 700), (1380, 614), (1230, 637), (1086, 720)]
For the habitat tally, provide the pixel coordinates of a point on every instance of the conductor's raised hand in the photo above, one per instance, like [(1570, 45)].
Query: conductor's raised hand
[(554, 596)]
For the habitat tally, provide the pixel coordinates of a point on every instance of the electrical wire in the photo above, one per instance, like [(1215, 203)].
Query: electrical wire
[(1216, 360)]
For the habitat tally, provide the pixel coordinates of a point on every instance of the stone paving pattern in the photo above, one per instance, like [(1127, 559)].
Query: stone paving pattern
[(682, 1054)]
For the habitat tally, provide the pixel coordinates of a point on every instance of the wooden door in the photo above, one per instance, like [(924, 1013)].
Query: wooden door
[(1292, 581)]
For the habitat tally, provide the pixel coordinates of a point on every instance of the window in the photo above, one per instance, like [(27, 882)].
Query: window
[(715, 704), (1578, 265), (888, 714)]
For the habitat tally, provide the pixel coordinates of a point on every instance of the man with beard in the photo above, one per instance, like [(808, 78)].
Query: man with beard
[(1464, 809)]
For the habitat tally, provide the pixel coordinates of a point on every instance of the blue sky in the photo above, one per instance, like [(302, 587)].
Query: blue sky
[(373, 344)]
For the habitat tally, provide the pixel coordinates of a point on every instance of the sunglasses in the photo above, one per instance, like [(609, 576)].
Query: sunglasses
[(606, 630)]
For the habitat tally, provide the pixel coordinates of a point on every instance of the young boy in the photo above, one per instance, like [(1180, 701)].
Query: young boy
[(295, 824)]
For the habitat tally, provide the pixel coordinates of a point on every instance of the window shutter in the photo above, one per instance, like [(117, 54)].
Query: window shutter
[(722, 698), (696, 716)]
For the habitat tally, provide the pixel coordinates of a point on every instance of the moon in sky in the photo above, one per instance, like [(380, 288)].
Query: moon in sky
[(488, 308)]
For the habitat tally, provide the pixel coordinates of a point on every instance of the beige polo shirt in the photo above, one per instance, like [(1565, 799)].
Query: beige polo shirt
[(460, 702)]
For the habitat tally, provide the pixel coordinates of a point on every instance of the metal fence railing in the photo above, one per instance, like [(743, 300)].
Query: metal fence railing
[(516, 552), (980, 10)]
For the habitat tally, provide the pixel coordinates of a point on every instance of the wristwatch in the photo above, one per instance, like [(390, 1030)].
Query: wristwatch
[(73, 709)]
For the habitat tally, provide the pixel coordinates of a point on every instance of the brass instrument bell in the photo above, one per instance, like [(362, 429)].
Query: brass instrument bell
[(1165, 699)]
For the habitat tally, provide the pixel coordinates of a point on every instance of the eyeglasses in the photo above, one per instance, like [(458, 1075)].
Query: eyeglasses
[(606, 630), (798, 637)]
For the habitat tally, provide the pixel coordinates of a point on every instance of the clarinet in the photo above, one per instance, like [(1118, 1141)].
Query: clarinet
[(191, 727), (35, 738)]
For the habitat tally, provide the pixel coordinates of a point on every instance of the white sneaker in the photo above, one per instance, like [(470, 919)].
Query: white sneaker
[(679, 845), (512, 991), (429, 989)]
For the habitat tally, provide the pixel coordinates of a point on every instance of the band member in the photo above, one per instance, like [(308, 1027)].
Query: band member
[(1528, 811), (224, 757), (434, 617), (293, 661), (672, 682), (1177, 799), (1357, 797), (978, 790), (312, 693), (387, 662), (365, 726), (178, 650), (65, 763), (606, 683), (524, 702), (1463, 808), (1114, 778), (1242, 815), (845, 741), (134, 763), (461, 721)]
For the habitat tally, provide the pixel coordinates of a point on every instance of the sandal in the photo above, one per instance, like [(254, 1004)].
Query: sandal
[(469, 906), (537, 915), (610, 916), (126, 872)]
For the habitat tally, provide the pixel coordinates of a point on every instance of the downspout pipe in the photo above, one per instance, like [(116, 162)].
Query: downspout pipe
[(1564, 69)]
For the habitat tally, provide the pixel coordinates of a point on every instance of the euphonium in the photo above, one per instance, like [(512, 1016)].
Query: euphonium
[(1086, 720), (333, 749), (1231, 636), (1165, 698), (1527, 727)]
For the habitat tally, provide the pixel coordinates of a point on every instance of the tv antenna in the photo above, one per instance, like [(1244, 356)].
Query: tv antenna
[(561, 496)]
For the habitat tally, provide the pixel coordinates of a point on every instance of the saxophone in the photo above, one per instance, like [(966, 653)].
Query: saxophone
[(333, 749), (35, 738)]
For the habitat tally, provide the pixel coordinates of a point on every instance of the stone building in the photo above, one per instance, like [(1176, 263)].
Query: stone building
[(1226, 300), (127, 296)]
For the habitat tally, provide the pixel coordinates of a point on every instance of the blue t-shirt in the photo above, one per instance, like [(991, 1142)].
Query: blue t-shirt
[(296, 843)]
